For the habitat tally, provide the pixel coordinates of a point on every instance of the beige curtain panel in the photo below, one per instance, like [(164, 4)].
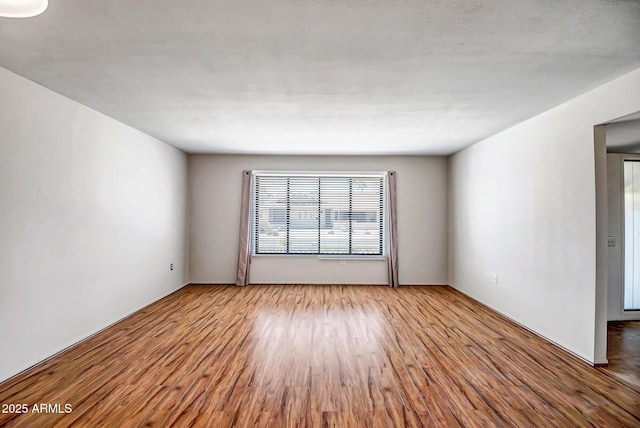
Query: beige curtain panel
[(244, 246), (392, 259)]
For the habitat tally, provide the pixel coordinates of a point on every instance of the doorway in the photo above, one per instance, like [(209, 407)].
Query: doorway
[(623, 247)]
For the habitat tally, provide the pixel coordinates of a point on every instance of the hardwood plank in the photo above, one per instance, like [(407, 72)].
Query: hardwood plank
[(330, 355), (623, 350)]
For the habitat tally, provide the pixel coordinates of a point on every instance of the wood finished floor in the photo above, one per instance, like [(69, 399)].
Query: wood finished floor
[(217, 356), (623, 350)]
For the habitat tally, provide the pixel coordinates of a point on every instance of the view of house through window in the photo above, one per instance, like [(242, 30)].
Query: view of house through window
[(318, 214)]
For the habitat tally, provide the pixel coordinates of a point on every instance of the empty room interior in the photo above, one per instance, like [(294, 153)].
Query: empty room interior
[(320, 213)]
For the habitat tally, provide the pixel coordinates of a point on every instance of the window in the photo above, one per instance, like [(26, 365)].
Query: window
[(319, 214), (631, 290)]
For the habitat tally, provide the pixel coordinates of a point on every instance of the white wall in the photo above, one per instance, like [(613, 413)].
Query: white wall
[(522, 205), (92, 214), (215, 184), (601, 214), (615, 275)]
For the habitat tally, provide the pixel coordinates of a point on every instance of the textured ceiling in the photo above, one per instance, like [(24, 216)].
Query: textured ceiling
[(323, 77)]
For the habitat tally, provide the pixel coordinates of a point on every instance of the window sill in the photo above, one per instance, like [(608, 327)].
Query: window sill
[(321, 257), (345, 257)]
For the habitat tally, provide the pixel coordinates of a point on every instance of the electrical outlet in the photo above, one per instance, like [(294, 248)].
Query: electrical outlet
[(611, 241), (342, 261), (494, 277), (171, 266)]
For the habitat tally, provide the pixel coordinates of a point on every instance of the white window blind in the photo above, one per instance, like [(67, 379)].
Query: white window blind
[(316, 214)]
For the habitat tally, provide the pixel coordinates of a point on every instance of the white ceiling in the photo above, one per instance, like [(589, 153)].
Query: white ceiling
[(322, 76)]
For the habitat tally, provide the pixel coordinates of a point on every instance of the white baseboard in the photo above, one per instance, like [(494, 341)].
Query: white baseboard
[(68, 346), (586, 360)]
